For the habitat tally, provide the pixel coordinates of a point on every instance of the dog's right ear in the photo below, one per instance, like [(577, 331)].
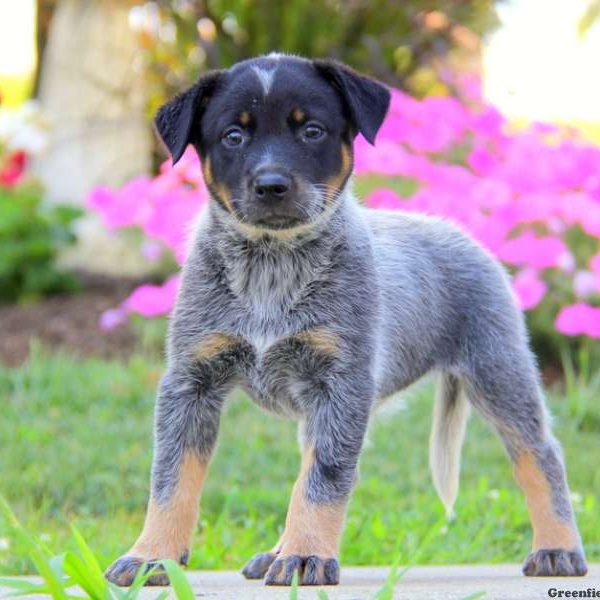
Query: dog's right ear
[(175, 120)]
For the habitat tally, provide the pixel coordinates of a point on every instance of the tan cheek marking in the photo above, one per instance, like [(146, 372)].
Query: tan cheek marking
[(548, 530), (321, 339), (219, 188), (224, 195), (298, 115), (245, 118), (168, 529), (311, 529), (207, 171), (215, 343), (337, 181)]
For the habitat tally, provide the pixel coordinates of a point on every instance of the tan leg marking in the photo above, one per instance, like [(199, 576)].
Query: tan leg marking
[(549, 531), (321, 339), (311, 529), (168, 529), (215, 343)]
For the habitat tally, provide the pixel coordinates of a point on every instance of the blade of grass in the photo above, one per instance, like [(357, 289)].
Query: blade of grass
[(85, 570), (37, 553), (181, 586), (77, 569), (294, 588)]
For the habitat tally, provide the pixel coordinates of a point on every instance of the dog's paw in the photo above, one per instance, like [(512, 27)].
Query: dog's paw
[(312, 570), (555, 563), (258, 565), (124, 569)]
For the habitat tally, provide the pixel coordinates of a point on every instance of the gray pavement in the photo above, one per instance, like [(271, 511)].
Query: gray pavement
[(498, 582)]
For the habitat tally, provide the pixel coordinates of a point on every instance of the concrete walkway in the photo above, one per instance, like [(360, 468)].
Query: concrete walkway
[(499, 582)]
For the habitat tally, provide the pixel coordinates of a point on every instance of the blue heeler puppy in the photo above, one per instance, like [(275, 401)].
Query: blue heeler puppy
[(320, 309)]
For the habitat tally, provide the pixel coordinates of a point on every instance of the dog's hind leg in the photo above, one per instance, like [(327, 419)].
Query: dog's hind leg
[(504, 387)]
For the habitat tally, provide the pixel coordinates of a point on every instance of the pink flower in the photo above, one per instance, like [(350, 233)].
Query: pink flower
[(384, 198), (13, 169), (537, 252), (585, 283), (153, 300), (579, 319), (529, 288), (110, 319), (151, 250)]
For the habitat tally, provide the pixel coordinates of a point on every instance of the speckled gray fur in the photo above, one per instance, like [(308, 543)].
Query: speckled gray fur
[(401, 294)]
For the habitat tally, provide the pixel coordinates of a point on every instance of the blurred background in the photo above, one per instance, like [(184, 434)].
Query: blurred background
[(495, 124)]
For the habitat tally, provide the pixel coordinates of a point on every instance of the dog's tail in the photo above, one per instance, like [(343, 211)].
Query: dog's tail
[(450, 415)]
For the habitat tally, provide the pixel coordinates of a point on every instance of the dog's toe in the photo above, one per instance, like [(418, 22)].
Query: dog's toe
[(124, 569), (258, 565), (312, 570), (555, 563)]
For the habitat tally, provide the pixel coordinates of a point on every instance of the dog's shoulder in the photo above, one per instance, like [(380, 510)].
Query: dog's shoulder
[(406, 228)]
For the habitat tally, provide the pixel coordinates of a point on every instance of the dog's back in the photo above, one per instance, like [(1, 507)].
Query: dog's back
[(436, 284)]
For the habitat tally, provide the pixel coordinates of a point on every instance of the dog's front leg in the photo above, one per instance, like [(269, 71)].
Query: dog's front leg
[(186, 423), (333, 438)]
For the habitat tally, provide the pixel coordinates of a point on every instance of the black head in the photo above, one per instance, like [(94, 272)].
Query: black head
[(275, 135)]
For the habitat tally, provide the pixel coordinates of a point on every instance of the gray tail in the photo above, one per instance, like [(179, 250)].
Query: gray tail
[(450, 415)]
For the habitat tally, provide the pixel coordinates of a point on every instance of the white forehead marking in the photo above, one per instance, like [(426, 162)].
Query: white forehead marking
[(266, 75)]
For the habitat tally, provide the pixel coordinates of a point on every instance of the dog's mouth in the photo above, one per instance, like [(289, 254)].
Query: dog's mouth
[(278, 222)]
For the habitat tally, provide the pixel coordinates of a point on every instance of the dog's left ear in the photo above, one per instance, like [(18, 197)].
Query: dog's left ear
[(367, 100), (175, 119)]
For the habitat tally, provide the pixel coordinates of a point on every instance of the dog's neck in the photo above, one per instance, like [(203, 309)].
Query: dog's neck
[(269, 270)]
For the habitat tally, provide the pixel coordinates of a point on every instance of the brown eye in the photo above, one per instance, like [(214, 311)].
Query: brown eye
[(233, 137), (313, 131)]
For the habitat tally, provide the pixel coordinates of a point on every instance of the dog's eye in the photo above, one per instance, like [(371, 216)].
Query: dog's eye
[(233, 137), (313, 131)]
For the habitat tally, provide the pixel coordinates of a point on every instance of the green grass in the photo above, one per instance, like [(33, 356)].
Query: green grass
[(75, 440)]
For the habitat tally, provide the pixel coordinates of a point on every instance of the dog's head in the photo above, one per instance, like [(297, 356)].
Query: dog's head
[(275, 136)]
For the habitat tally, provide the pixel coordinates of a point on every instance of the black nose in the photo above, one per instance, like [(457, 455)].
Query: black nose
[(272, 184)]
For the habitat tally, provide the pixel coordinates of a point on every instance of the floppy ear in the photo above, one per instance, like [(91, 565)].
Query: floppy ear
[(175, 119), (367, 100)]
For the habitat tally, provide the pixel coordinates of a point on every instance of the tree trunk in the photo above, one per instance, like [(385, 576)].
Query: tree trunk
[(92, 90)]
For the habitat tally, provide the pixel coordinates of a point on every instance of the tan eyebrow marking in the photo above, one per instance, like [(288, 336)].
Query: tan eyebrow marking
[(298, 115), (244, 118)]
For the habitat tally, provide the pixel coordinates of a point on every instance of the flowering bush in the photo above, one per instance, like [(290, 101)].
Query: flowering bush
[(22, 134), (532, 197)]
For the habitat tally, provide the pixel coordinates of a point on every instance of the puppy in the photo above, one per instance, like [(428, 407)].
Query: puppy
[(320, 309)]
